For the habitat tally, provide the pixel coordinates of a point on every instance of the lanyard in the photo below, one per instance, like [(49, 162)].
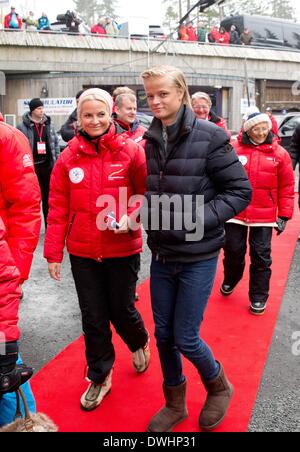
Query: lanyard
[(39, 130)]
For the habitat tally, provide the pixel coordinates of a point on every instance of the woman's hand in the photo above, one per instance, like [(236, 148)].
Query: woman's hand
[(54, 270), (123, 225)]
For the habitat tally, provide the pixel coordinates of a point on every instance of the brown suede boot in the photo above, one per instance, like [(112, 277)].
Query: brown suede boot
[(220, 392), (173, 412)]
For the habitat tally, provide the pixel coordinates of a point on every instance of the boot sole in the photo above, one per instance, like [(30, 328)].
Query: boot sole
[(225, 293), (257, 313), (96, 406), (212, 427), (173, 426)]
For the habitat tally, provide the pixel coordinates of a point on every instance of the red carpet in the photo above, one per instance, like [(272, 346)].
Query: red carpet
[(239, 340)]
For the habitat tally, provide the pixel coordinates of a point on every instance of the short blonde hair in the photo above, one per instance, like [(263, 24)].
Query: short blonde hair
[(122, 90), (175, 74), (202, 95), (119, 100)]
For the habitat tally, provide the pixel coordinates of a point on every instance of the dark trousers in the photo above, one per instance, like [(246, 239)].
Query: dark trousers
[(43, 172), (106, 293), (260, 254)]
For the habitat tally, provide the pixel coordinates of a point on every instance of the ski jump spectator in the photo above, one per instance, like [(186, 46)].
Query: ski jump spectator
[(191, 32), (43, 23), (99, 27), (246, 37), (201, 32), (12, 20)]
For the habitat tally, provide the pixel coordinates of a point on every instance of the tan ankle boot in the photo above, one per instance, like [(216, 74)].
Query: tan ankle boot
[(173, 412), (220, 392)]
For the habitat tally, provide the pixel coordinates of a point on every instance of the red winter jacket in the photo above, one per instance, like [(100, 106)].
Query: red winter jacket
[(9, 292), (84, 172), (19, 197), (135, 131), (220, 122), (271, 175)]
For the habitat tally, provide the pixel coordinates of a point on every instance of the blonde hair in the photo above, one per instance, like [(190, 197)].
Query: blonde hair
[(122, 90), (94, 94), (119, 100), (176, 76), (201, 95)]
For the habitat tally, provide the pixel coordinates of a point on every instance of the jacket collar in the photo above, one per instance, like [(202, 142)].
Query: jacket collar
[(113, 140), (184, 124), (268, 145)]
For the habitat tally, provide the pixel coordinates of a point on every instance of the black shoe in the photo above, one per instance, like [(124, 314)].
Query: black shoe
[(258, 307), (226, 289)]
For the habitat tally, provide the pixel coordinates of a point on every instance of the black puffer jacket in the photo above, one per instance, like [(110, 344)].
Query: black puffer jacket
[(68, 129), (294, 152), (198, 161)]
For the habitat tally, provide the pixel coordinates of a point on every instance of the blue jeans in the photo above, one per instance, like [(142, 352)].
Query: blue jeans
[(179, 295)]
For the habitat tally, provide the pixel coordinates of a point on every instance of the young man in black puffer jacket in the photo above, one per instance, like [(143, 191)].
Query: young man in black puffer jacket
[(191, 164)]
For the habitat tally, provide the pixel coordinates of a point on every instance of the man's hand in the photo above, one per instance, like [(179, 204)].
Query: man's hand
[(54, 270)]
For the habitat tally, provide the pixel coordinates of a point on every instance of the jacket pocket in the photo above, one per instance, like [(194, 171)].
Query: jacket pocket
[(272, 197), (71, 224)]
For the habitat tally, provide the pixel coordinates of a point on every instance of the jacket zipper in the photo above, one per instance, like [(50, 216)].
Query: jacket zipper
[(271, 196)]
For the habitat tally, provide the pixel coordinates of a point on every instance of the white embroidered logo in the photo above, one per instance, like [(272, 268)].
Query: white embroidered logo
[(76, 175), (27, 161), (243, 159)]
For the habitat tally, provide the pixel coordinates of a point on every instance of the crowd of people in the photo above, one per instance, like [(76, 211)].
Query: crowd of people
[(247, 190), (217, 34), (106, 26), (13, 21)]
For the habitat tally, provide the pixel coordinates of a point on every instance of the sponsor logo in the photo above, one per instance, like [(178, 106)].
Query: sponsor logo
[(76, 175), (243, 159), (27, 160)]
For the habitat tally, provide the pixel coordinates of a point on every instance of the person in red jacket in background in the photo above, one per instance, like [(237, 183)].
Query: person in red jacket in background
[(191, 32), (269, 112), (99, 27), (222, 37), (12, 20), (270, 172), (101, 167), (20, 215), (202, 104), (125, 115), (12, 375)]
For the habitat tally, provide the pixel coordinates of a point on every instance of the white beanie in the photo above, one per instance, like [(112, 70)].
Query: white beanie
[(256, 118), (99, 94), (249, 111)]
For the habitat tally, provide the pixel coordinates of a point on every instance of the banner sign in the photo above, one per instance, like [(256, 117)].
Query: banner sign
[(60, 106)]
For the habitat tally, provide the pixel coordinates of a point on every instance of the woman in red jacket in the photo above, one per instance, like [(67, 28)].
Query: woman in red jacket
[(91, 185), (271, 175), (202, 104)]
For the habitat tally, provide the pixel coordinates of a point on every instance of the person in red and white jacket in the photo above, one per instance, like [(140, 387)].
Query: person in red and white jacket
[(202, 107), (125, 115), (91, 184), (20, 222), (270, 172), (20, 197)]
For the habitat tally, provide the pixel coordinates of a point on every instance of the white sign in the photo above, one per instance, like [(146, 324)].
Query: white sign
[(53, 107), (245, 105)]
